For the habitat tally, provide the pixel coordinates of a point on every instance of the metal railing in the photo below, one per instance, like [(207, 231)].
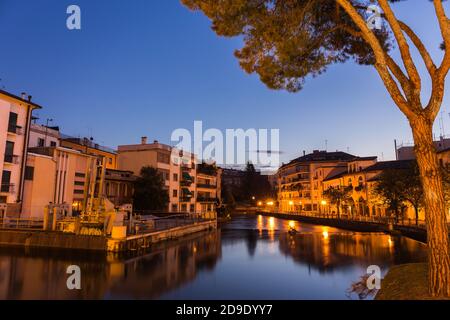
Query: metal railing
[(21, 223), (15, 129), (407, 222), (7, 188), (11, 158), (206, 186), (154, 224)]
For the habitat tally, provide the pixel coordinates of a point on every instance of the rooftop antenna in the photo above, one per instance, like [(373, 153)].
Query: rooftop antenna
[(441, 125), (326, 145)]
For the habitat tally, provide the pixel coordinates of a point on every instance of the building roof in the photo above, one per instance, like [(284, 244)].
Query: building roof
[(323, 156), (335, 175), (87, 143), (36, 106), (386, 165)]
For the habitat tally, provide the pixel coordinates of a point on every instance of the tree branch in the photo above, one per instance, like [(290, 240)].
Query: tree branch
[(438, 80), (444, 24), (403, 45), (421, 47), (380, 56)]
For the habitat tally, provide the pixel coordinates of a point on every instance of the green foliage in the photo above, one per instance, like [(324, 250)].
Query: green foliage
[(254, 184), (339, 196), (287, 40), (149, 191), (397, 186)]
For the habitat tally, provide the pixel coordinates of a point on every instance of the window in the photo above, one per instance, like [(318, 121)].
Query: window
[(175, 193), (110, 160), (6, 181), (192, 209), (2, 199), (175, 177), (41, 142), (80, 175), (165, 175), (52, 143), (174, 207), (163, 158), (12, 125), (78, 191), (9, 151), (79, 183), (29, 173)]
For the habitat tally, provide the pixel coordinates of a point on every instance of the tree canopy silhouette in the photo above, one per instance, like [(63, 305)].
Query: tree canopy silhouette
[(285, 41)]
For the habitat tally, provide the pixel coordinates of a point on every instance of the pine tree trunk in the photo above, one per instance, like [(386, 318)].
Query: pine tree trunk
[(435, 211)]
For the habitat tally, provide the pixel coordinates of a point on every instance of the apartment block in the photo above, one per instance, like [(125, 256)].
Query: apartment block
[(57, 176), (300, 182), (15, 118), (179, 171), (43, 136)]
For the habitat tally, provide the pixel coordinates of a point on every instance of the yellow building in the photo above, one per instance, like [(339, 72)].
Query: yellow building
[(300, 182), (361, 179), (57, 176), (89, 147)]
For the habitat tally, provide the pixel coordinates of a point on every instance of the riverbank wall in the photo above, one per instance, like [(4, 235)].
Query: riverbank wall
[(66, 241), (357, 226)]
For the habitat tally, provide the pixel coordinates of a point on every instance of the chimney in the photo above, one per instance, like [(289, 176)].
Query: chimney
[(155, 141), (29, 98), (304, 152), (144, 140), (24, 95)]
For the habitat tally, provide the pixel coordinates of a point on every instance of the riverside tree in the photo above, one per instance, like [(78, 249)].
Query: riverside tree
[(149, 191), (287, 40), (338, 196)]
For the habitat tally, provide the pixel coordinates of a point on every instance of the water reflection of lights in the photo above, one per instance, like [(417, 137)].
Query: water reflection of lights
[(260, 224), (390, 243), (271, 223), (272, 228), (325, 233)]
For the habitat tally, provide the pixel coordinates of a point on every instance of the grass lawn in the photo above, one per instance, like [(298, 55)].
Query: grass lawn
[(405, 282)]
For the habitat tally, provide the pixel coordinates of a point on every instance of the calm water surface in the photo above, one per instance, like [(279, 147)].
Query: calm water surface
[(248, 258)]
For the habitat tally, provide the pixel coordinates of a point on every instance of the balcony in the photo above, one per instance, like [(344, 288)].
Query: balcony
[(11, 159), (185, 199), (7, 188), (206, 186), (206, 199), (15, 129), (186, 167)]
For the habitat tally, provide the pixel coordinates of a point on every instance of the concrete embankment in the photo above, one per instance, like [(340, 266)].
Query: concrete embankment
[(357, 226), (66, 241), (143, 241), (55, 240)]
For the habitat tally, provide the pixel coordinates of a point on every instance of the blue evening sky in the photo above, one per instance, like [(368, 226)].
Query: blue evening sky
[(147, 67)]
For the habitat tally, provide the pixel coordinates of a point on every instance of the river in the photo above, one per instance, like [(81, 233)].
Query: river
[(251, 257)]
